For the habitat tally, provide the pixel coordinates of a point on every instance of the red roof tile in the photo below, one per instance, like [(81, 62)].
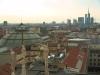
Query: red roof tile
[(72, 58), (74, 55), (5, 69), (84, 62)]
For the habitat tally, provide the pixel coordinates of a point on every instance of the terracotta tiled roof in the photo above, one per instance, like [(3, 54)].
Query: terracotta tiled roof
[(5, 69), (71, 60), (84, 62), (74, 55)]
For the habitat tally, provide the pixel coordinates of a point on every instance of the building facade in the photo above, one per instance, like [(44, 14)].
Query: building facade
[(94, 59)]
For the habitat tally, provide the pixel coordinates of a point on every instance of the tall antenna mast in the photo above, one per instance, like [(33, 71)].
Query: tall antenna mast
[(88, 10)]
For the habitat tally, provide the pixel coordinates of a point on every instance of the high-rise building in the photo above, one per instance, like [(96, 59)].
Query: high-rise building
[(68, 21), (92, 20), (81, 20), (87, 18), (86, 21), (74, 22)]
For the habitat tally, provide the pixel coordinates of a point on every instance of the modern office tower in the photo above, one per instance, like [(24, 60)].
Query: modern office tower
[(92, 20), (74, 22), (68, 22), (81, 21), (87, 18), (86, 21)]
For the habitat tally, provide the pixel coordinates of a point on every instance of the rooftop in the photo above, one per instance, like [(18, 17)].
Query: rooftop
[(76, 60), (15, 39), (5, 69)]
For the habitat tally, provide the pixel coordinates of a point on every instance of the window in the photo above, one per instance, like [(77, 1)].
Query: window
[(94, 60), (94, 64), (98, 60), (90, 60), (90, 55), (94, 54), (90, 64), (98, 55), (99, 64)]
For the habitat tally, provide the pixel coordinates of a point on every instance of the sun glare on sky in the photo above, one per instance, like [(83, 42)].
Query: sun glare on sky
[(47, 10)]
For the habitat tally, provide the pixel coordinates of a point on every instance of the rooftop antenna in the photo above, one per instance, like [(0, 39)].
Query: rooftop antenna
[(88, 10)]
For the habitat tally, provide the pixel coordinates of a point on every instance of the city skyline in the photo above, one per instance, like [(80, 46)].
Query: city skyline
[(33, 11)]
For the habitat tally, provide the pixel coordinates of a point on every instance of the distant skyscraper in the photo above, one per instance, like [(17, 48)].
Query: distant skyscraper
[(74, 22), (68, 21), (92, 20), (86, 21), (87, 18), (81, 20)]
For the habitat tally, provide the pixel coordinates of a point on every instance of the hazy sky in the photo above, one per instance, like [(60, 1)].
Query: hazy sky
[(47, 10)]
